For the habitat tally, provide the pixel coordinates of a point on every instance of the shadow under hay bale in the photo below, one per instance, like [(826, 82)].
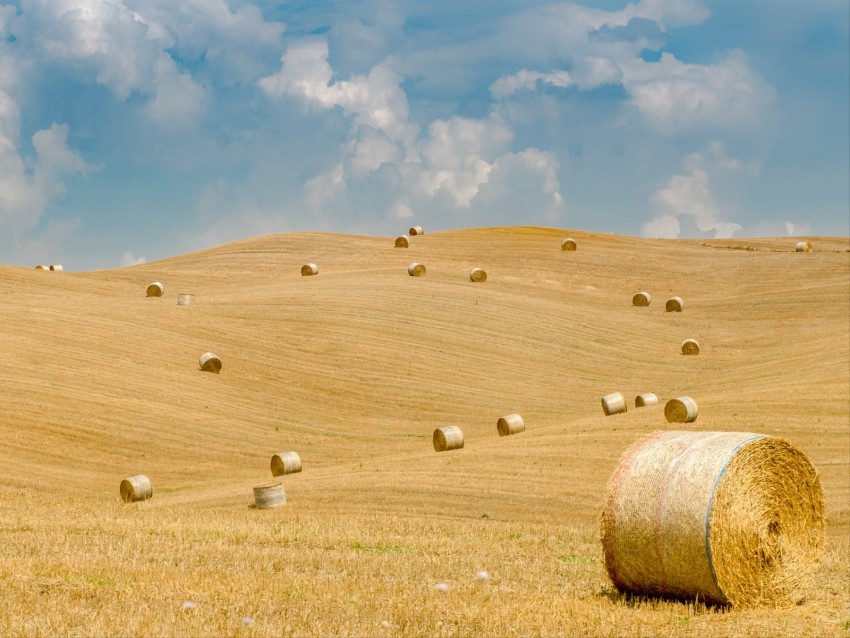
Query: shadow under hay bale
[(309, 269), (477, 275), (674, 304), (568, 244), (416, 270), (136, 488), (415, 230), (614, 403), (185, 299), (510, 424), (690, 347), (646, 399), (402, 241), (285, 463), (155, 289), (269, 495), (803, 247), (448, 437), (731, 518), (681, 410), (56, 268), (209, 362), (641, 299)]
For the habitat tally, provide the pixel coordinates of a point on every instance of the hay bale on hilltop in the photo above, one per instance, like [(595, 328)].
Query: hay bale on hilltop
[(285, 463), (41, 267), (568, 244), (803, 247), (309, 269), (641, 299), (416, 270), (681, 410), (646, 399), (477, 275), (402, 241), (56, 268), (510, 424), (732, 518), (136, 488), (269, 495), (614, 403), (210, 362), (674, 304), (690, 347), (448, 437), (155, 290), (415, 230)]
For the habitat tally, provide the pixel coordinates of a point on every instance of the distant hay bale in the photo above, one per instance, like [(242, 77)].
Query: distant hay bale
[(730, 518), (477, 275), (681, 410), (402, 241), (209, 362), (568, 244), (674, 304), (690, 347), (309, 269), (41, 267), (56, 267), (415, 230), (804, 247), (136, 488), (269, 495), (416, 270), (448, 437), (510, 424), (641, 299), (614, 403), (155, 290), (185, 299), (285, 463), (646, 399)]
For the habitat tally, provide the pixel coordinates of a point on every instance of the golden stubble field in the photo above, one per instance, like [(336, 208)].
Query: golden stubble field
[(354, 369)]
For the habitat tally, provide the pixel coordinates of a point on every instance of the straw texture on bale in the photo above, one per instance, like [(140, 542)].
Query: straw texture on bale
[(185, 299), (209, 362), (804, 247), (402, 241), (41, 267), (645, 399), (286, 463), (415, 230), (510, 424), (681, 410), (568, 244), (448, 437), (309, 269), (690, 347), (155, 290), (614, 403), (641, 299), (674, 304), (416, 270), (56, 267), (732, 518), (477, 275), (136, 488), (269, 495)]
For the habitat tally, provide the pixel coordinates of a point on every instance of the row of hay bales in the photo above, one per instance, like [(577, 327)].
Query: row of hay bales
[(450, 437), (414, 269), (679, 410), (51, 268), (643, 299)]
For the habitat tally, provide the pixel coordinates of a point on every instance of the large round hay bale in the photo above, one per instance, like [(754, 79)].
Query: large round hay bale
[(614, 403), (402, 241), (209, 362), (641, 299), (690, 347), (416, 270), (269, 495), (56, 268), (674, 304), (724, 517), (185, 299), (477, 275), (448, 437), (646, 399), (41, 267), (681, 410), (285, 463), (415, 230), (803, 247), (309, 269), (568, 244), (510, 424), (136, 488), (155, 289)]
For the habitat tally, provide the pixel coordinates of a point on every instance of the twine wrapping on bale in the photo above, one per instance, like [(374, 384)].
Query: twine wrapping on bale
[(641, 299), (804, 247), (681, 410), (448, 437), (731, 518), (415, 230), (285, 463), (309, 269), (402, 241), (646, 399), (690, 347), (209, 362), (614, 403), (674, 304), (510, 424), (56, 267), (155, 289), (568, 244), (477, 275), (185, 299), (136, 488), (269, 495), (416, 270)]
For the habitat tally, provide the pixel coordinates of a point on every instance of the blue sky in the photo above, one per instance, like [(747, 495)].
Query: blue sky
[(133, 130)]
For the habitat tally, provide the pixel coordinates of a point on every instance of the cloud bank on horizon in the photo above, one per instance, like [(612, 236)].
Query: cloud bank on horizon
[(133, 130)]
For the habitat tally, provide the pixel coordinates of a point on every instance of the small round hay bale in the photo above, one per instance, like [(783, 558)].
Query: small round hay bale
[(614, 403), (568, 244), (690, 347), (681, 410), (209, 362), (415, 230), (309, 269), (416, 270), (136, 488), (155, 289), (448, 437), (269, 495), (732, 518), (646, 399), (185, 299), (286, 463), (674, 304), (803, 247), (41, 267), (510, 424), (56, 268), (641, 299), (402, 241), (477, 275)]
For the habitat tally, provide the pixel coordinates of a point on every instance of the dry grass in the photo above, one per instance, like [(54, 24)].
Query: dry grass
[(377, 519)]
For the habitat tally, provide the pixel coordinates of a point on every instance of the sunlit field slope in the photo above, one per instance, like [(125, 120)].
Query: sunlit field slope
[(354, 368)]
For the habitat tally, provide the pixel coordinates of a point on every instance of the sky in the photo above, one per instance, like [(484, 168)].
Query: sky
[(135, 130)]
